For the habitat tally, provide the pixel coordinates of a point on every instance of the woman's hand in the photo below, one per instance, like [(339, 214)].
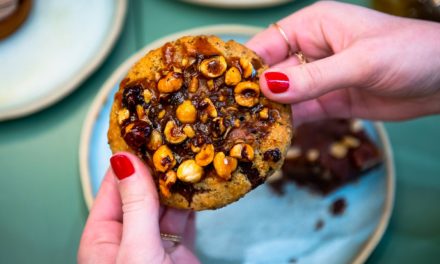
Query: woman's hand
[(125, 222), (362, 64)]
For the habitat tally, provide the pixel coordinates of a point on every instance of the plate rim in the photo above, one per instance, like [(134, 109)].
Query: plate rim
[(104, 94), (237, 4), (71, 84)]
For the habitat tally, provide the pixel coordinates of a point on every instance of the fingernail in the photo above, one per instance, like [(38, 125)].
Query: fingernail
[(121, 166), (277, 82)]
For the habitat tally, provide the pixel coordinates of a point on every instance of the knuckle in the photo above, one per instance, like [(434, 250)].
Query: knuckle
[(138, 202)]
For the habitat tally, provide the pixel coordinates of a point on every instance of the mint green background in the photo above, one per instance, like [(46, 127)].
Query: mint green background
[(42, 211)]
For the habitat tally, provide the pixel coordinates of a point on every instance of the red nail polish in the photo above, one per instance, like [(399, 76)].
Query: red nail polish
[(277, 82), (121, 166)]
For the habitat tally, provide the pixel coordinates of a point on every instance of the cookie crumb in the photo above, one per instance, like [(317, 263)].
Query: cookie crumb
[(338, 206)]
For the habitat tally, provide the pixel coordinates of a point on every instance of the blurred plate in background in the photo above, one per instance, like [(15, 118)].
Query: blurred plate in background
[(61, 43), (238, 3), (263, 227)]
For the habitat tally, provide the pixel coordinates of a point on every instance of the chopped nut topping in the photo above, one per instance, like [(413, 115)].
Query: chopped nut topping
[(161, 114), (213, 67), (224, 166), (338, 150), (312, 155), (140, 111), (163, 159), (247, 67), (194, 85), (186, 112), (155, 140), (232, 76), (210, 84), (219, 127), (242, 151), (189, 171), (173, 133), (123, 114), (147, 96), (170, 83), (206, 155), (209, 107), (194, 148), (165, 184), (189, 131), (264, 113), (247, 93)]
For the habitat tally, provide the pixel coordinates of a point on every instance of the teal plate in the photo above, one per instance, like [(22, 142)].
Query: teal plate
[(263, 227)]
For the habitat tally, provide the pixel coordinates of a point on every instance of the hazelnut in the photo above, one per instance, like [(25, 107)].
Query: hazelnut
[(193, 85), (163, 159), (242, 151), (312, 155), (264, 113), (338, 150), (147, 96), (140, 111), (184, 62), (351, 142), (232, 76), (194, 148), (206, 155), (189, 171), (248, 68), (209, 107), (247, 93), (155, 140), (218, 126), (173, 133), (178, 70), (237, 123), (123, 115), (189, 131), (213, 67), (170, 83), (293, 153), (186, 112), (161, 114), (224, 166), (210, 84), (165, 184)]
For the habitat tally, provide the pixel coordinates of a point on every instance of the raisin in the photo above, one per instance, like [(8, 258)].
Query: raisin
[(138, 135), (132, 96), (272, 155)]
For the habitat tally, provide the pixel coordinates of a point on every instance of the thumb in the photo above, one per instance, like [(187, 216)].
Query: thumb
[(293, 84), (141, 240)]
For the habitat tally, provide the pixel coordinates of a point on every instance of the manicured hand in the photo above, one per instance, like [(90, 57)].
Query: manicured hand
[(125, 221), (362, 64)]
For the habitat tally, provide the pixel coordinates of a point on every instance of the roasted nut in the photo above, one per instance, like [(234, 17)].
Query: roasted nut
[(210, 84), (247, 67), (167, 182), (123, 115), (264, 113), (173, 133), (247, 93), (218, 127), (184, 62), (147, 96), (186, 112), (224, 166), (161, 114), (189, 131), (206, 155), (213, 67), (194, 148), (178, 70), (356, 125), (208, 107), (193, 85), (338, 150), (170, 83), (237, 123), (312, 155), (189, 171), (242, 151), (140, 111), (155, 140), (163, 159), (293, 153), (232, 76), (351, 142)]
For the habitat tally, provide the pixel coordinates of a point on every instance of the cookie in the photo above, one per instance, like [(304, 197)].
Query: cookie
[(194, 112), (326, 155)]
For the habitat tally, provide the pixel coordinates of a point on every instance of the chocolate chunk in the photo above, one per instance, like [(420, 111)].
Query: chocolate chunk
[(251, 173), (138, 135), (132, 96), (272, 155)]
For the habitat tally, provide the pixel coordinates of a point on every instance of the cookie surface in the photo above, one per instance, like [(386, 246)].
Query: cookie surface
[(193, 111)]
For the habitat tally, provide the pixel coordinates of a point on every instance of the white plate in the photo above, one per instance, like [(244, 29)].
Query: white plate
[(60, 44), (262, 227), (238, 3)]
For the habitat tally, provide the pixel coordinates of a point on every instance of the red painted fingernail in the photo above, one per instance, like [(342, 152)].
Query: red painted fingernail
[(277, 82), (121, 166)]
